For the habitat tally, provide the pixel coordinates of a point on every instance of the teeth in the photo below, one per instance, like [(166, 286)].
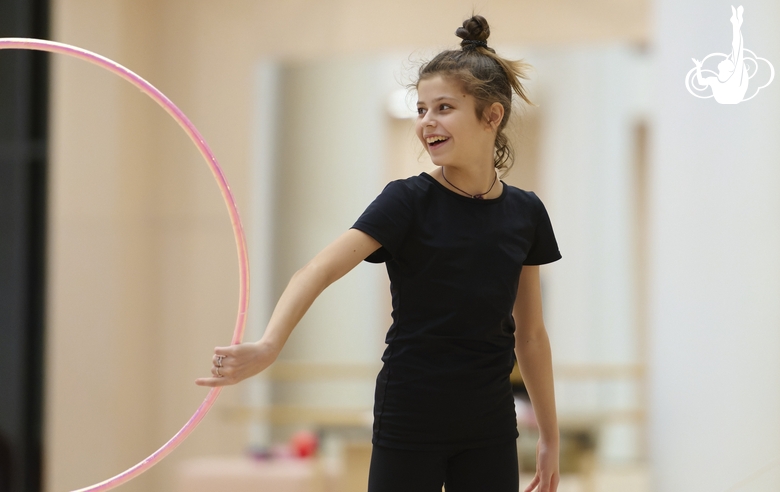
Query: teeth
[(435, 139)]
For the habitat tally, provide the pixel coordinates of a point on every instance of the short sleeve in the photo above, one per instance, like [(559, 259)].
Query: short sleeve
[(387, 220), (544, 248)]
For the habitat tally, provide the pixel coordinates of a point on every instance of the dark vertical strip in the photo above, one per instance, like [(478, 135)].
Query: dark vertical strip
[(37, 239), (23, 205)]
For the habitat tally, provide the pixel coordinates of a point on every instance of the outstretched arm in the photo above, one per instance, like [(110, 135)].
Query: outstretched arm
[(532, 347), (239, 362)]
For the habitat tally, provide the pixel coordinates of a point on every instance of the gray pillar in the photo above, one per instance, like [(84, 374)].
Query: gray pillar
[(590, 98), (715, 267), (265, 151), (331, 158)]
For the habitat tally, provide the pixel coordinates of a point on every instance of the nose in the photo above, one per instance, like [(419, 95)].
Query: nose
[(427, 120)]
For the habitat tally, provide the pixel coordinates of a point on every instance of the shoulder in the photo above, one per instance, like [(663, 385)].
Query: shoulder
[(400, 197), (408, 188), (412, 184), (527, 199)]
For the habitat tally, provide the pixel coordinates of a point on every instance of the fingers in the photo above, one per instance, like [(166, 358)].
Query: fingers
[(221, 369), (229, 365), (211, 382), (533, 484), (223, 366), (221, 373), (544, 484), (223, 350), (232, 364)]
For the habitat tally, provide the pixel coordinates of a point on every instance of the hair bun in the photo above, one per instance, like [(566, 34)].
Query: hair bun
[(474, 29)]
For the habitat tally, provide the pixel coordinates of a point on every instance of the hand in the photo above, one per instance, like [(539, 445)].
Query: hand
[(547, 471), (238, 362)]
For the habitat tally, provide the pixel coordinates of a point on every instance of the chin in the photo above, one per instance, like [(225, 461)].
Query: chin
[(439, 161)]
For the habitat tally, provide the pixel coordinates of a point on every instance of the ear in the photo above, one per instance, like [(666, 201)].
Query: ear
[(494, 115)]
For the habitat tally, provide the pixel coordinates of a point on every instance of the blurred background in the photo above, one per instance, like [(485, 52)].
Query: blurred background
[(118, 270)]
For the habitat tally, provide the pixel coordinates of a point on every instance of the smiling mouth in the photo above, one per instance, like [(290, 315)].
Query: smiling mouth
[(434, 142)]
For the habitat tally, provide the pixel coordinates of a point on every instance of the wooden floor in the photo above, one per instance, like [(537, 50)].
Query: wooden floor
[(624, 479)]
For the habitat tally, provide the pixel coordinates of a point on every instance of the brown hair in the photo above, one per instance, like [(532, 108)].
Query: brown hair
[(484, 75)]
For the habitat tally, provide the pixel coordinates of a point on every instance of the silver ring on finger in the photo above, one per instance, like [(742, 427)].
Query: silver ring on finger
[(216, 369), (219, 360)]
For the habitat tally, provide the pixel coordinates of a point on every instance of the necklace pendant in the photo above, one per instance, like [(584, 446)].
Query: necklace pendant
[(481, 196)]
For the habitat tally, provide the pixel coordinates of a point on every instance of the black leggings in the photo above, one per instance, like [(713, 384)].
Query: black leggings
[(460, 470)]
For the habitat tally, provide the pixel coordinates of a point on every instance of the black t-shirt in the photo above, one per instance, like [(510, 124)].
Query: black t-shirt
[(454, 264)]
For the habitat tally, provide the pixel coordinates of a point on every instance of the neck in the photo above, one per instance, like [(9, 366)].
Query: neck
[(471, 182)]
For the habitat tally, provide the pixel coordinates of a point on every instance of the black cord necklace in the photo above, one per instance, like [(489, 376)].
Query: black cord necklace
[(480, 196)]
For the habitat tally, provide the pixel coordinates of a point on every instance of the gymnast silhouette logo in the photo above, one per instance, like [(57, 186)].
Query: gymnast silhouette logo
[(735, 70)]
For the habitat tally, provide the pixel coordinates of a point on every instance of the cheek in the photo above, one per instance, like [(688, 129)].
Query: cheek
[(418, 130)]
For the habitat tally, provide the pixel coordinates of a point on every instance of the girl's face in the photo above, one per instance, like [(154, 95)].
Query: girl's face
[(448, 127)]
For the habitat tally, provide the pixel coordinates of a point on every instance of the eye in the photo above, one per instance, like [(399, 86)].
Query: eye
[(420, 111), (444, 107)]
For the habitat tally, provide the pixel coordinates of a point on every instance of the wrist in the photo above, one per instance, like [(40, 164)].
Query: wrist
[(551, 440), (269, 346)]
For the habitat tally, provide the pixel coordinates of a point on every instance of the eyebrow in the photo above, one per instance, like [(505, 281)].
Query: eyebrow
[(439, 99)]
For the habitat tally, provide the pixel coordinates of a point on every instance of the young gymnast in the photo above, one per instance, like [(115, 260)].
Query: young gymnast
[(462, 250)]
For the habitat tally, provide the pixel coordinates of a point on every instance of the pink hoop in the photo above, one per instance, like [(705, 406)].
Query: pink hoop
[(238, 230)]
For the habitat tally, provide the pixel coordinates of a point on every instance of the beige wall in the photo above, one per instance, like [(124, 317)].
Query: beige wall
[(143, 278)]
